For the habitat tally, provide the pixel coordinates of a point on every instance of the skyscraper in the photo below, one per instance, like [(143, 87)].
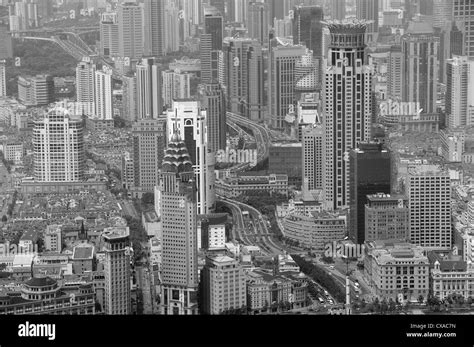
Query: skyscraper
[(103, 96), (420, 66), (176, 85), (308, 29), (149, 144), (368, 10), (3, 84), (395, 76), (256, 102), (211, 48), (463, 15), (370, 173), (117, 271), (109, 34), (149, 84), (281, 81), (429, 196), (58, 145), (259, 21), (154, 27), (442, 12), (177, 194), (338, 9), (313, 157), (190, 120), (130, 29), (85, 86), (347, 105), (129, 98), (460, 92), (213, 101)]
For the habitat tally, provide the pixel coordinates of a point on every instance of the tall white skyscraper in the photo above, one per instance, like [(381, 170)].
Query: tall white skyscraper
[(103, 96), (130, 18), (85, 86), (460, 92), (190, 120), (3, 79), (149, 94), (58, 146), (347, 105)]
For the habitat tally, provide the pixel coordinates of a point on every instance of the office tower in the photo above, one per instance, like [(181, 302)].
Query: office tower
[(386, 217), (338, 9), (420, 67), (281, 82), (463, 15), (460, 92), (220, 6), (178, 205), (368, 10), (149, 144), (109, 34), (130, 29), (154, 27), (282, 28), (306, 74), (3, 79), (117, 271), (212, 229), (456, 41), (103, 96), (149, 93), (176, 85), (278, 8), (395, 76), (236, 57), (191, 121), (313, 157), (453, 142), (23, 15), (442, 13), (308, 31), (44, 8), (129, 98), (212, 100), (240, 11), (36, 91), (370, 173), (172, 25), (85, 87), (222, 274), (258, 21), (256, 102), (429, 195), (58, 146), (6, 44), (211, 47), (347, 105)]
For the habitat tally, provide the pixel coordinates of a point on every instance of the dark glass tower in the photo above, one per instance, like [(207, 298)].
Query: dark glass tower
[(370, 173)]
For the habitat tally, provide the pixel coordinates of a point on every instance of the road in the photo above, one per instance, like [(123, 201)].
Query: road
[(129, 209)]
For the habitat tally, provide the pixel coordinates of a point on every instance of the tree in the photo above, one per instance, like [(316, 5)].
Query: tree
[(148, 198), (4, 219)]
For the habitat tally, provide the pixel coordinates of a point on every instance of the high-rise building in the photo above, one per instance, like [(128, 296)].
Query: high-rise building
[(178, 206), (420, 66), (36, 91), (222, 274), (117, 271), (256, 102), (172, 35), (338, 9), (149, 144), (211, 48), (460, 92), (85, 86), (259, 21), (281, 81), (212, 231), (130, 16), (395, 76), (176, 85), (129, 98), (103, 96), (212, 100), (313, 157), (149, 93), (463, 15), (347, 105), (453, 142), (109, 34), (58, 146), (368, 10), (442, 12), (370, 173), (386, 218), (154, 27), (3, 79), (429, 194), (6, 43), (190, 120)]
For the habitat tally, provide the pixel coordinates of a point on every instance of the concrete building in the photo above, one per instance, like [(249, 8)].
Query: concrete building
[(129, 98), (338, 9), (347, 105), (176, 85), (234, 186), (397, 270), (149, 89), (212, 98), (58, 145), (36, 91), (429, 195), (85, 87), (3, 81), (368, 10), (258, 21), (212, 231), (452, 144), (178, 208), (211, 46), (130, 17), (459, 99), (154, 27), (285, 159), (117, 271), (53, 239), (109, 34), (313, 157), (386, 218), (223, 285), (83, 259), (395, 73), (463, 17), (103, 96)]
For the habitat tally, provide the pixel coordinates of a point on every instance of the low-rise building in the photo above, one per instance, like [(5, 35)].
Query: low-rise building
[(397, 270), (83, 258), (52, 238)]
